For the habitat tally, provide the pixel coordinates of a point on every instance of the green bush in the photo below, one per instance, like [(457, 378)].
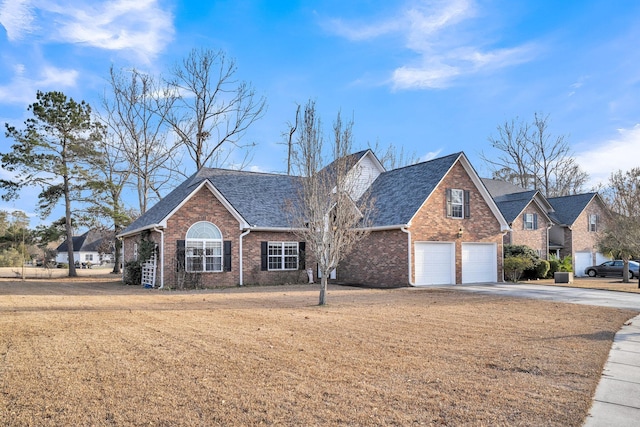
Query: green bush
[(542, 269), (132, 273), (10, 258), (554, 265), (514, 266)]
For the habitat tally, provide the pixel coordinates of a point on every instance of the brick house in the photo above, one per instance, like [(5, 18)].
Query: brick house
[(578, 221), (434, 223), (563, 226)]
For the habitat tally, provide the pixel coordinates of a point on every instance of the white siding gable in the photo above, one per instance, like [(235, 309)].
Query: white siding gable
[(362, 175)]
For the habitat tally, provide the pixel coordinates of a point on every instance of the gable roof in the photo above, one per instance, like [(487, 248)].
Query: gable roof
[(399, 194), (259, 199), (569, 208), (88, 242)]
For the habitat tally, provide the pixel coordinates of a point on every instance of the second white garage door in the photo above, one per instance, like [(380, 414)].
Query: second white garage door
[(479, 263), (435, 263)]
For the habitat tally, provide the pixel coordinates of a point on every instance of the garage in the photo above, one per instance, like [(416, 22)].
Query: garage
[(582, 260), (479, 263), (435, 263)]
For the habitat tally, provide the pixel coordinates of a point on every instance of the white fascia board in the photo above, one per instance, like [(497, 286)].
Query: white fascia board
[(139, 230), (206, 183), (375, 160), (504, 225), (276, 229)]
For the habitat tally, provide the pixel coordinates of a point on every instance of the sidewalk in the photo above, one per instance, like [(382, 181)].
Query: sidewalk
[(617, 398)]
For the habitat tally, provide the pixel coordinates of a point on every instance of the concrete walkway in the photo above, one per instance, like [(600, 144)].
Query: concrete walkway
[(617, 398)]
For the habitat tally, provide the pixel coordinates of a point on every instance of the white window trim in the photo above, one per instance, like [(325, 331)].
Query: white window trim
[(191, 244), (528, 225), (283, 255), (593, 222), (454, 204)]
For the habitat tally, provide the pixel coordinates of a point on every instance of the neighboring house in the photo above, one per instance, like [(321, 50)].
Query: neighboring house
[(578, 221), (562, 226), (88, 248), (434, 223), (527, 212)]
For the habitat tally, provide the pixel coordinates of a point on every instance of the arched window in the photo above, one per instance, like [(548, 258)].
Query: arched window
[(203, 248)]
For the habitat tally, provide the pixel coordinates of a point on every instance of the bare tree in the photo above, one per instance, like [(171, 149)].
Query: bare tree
[(136, 108), (289, 134), (107, 201), (621, 237), (534, 159), (393, 157), (213, 109), (324, 214)]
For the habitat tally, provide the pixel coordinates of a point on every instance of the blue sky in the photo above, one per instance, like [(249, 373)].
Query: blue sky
[(431, 77)]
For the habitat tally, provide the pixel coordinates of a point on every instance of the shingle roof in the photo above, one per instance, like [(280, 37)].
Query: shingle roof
[(499, 188), (568, 208), (399, 193), (511, 205), (260, 198), (88, 242)]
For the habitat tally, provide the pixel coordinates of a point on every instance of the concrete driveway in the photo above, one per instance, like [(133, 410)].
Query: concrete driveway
[(617, 398), (558, 293)]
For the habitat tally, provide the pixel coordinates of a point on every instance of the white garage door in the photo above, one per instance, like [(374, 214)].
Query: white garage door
[(435, 263), (583, 260), (600, 258), (479, 263)]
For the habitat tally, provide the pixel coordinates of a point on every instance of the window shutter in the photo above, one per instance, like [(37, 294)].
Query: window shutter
[(301, 255), (227, 255), (535, 221), (597, 222), (467, 204), (180, 255), (264, 256), (448, 207)]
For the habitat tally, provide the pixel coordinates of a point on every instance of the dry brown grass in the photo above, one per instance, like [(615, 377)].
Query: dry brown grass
[(99, 353)]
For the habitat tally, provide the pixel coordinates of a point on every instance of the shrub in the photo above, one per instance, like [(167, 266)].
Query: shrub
[(542, 269), (554, 265), (10, 258), (132, 273), (514, 266)]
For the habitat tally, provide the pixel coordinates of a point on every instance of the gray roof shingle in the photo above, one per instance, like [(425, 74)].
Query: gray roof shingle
[(399, 193), (568, 208), (260, 198), (511, 205)]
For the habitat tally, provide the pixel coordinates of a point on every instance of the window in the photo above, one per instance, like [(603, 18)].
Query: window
[(458, 203), (135, 251), (283, 255), (88, 257), (593, 222), (203, 248), (530, 221)]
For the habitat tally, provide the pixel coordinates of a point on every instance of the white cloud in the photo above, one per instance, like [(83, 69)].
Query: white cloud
[(619, 153), (16, 16), (430, 155), (140, 26), (22, 89), (430, 30)]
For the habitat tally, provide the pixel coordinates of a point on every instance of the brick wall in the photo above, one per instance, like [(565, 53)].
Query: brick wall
[(581, 239), (432, 224), (380, 259), (535, 239)]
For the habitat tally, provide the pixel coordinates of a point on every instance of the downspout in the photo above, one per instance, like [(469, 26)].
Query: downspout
[(405, 230), (240, 255), (161, 256), (122, 260)]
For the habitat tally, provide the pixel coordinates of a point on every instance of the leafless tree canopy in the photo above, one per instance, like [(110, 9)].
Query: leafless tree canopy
[(212, 109), (621, 237), (326, 216), (136, 107), (530, 157)]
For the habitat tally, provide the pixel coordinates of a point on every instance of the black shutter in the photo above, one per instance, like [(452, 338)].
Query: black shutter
[(301, 256), (448, 207), (467, 207), (535, 221), (180, 255), (227, 255), (264, 260)]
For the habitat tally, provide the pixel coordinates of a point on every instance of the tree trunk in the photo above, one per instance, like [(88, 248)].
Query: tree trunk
[(116, 256), (625, 271), (69, 229), (323, 290)]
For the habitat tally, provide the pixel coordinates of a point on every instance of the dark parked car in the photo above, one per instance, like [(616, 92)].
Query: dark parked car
[(612, 268)]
